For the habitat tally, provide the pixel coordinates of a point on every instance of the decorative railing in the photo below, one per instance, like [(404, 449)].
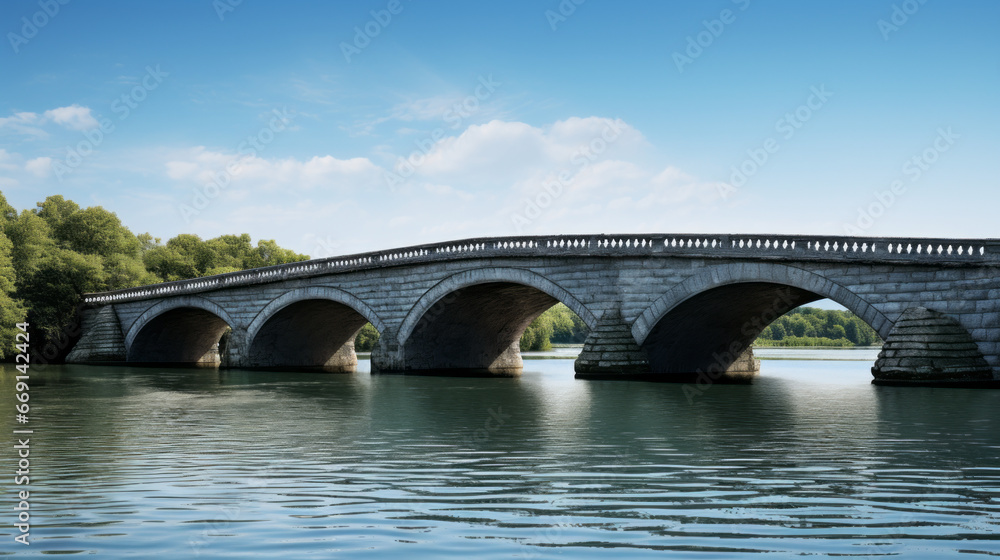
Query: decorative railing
[(765, 247)]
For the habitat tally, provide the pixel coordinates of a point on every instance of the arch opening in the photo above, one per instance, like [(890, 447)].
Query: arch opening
[(309, 334), (712, 331), (475, 330), (179, 336)]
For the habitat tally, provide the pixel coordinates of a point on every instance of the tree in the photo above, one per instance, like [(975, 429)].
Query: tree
[(95, 231), (238, 250), (7, 212), (54, 289), (366, 338), (836, 332), (805, 326), (11, 310), (32, 239), (797, 325), (169, 264), (538, 334), (147, 241), (777, 331), (851, 332), (126, 271), (53, 254), (55, 209), (268, 253)]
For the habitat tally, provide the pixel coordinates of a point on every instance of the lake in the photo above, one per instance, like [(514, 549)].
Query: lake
[(811, 459)]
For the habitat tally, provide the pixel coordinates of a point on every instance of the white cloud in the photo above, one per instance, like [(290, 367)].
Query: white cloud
[(23, 123), (448, 190), (202, 166), (503, 152), (429, 108), (446, 111), (73, 117), (9, 161), (40, 166), (469, 184)]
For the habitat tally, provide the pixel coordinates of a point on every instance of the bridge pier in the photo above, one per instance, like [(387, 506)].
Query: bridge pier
[(384, 356), (929, 348), (102, 339), (610, 351), (391, 357)]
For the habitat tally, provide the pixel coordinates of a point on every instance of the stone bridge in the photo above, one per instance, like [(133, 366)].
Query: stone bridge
[(663, 307)]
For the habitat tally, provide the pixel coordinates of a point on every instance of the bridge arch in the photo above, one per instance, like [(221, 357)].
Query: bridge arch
[(720, 312), (473, 320), (310, 327), (488, 275), (183, 329)]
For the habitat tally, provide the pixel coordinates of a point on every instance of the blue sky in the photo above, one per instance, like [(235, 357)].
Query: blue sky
[(452, 120)]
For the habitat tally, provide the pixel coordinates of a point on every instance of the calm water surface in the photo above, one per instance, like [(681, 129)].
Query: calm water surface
[(809, 460)]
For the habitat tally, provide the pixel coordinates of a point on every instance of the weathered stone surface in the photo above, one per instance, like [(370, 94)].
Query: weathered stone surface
[(928, 346), (610, 350), (672, 304), (102, 339)]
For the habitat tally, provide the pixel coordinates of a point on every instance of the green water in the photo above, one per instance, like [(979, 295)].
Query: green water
[(809, 460)]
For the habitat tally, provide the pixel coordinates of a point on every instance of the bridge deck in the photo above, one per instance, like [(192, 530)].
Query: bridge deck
[(945, 252)]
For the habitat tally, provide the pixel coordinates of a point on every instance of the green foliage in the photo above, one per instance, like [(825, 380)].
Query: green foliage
[(366, 339), (187, 256), (558, 324), (53, 254), (55, 209), (538, 335), (169, 264), (53, 291), (95, 231), (268, 253), (126, 271), (11, 310), (7, 212), (32, 239), (806, 341), (809, 326)]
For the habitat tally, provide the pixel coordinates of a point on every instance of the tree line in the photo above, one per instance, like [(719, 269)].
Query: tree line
[(803, 326), (52, 254), (809, 326)]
